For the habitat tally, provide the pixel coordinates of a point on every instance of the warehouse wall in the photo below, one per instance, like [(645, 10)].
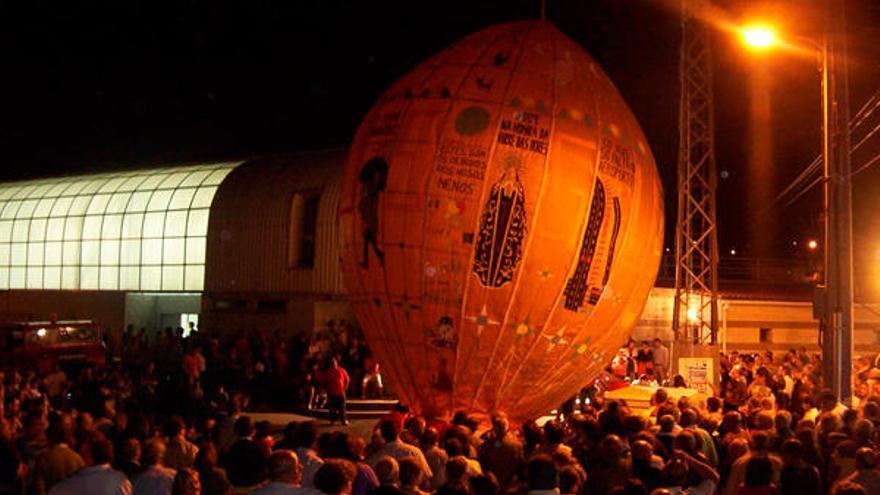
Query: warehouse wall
[(255, 275), (753, 325)]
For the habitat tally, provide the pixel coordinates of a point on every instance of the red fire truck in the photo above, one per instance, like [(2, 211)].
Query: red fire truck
[(45, 343)]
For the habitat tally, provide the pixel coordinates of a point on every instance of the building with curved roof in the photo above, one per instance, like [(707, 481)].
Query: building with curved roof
[(156, 248), (141, 231)]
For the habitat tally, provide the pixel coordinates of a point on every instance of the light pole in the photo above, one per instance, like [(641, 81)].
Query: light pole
[(833, 304)]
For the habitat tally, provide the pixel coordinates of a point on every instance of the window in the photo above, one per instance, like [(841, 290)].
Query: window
[(230, 305), (272, 306), (139, 230), (303, 226), (188, 322)]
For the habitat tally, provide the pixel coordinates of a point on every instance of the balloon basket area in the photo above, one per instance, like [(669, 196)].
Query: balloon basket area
[(638, 397)]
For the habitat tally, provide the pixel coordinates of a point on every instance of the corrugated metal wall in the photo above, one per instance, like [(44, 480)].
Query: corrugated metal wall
[(248, 231), (328, 275)]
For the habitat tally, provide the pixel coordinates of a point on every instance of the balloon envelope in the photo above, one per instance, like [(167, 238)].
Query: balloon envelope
[(502, 224)]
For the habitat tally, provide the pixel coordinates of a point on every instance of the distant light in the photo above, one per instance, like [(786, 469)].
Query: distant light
[(667, 250), (733, 252), (794, 243), (812, 244), (759, 37), (41, 332), (692, 314)]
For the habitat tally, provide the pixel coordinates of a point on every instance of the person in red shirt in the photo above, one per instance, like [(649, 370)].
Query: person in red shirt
[(336, 382)]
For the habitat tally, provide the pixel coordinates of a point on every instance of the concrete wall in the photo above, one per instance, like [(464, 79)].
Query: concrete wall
[(786, 324), (291, 312)]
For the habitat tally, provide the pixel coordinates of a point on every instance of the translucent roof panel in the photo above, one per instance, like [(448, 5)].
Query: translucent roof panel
[(137, 230)]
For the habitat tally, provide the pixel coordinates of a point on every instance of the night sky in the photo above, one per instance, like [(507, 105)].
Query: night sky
[(100, 85)]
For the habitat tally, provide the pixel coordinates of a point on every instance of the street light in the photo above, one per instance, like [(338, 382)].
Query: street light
[(834, 301), (759, 37)]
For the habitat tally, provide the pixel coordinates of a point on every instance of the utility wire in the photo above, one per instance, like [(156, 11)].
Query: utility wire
[(866, 110)]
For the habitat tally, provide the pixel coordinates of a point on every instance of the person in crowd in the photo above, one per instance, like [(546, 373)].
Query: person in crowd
[(760, 448), (644, 359), (501, 452), (759, 478), (372, 386), (129, 458), (388, 473), (771, 409), (797, 476), (542, 475), (456, 477), (660, 356), (179, 452), (335, 477), (155, 478), (97, 479), (351, 448), (484, 484), (213, 478), (246, 461), (866, 474), (285, 474), (186, 482), (435, 457), (288, 437), (397, 449), (612, 468), (336, 381), (411, 477), (304, 442), (59, 461)]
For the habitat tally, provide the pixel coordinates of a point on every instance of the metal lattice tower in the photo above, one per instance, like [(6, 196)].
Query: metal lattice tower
[(695, 312)]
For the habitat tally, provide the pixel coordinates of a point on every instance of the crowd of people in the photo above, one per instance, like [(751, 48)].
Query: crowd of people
[(167, 417)]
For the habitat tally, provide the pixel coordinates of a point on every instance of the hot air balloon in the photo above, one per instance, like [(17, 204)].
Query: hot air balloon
[(502, 223)]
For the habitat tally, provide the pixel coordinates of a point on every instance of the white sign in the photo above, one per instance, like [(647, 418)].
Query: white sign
[(698, 372)]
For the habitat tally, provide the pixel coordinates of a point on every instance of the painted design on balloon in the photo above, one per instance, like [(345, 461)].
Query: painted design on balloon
[(441, 379), (499, 242), (373, 178), (576, 286), (472, 120), (614, 232), (443, 334)]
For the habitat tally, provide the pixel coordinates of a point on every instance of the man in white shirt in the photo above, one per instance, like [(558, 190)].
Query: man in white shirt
[(308, 460), (397, 449), (285, 474), (156, 479), (97, 479)]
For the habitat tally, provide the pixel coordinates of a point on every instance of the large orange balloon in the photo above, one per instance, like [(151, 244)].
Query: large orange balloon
[(502, 224)]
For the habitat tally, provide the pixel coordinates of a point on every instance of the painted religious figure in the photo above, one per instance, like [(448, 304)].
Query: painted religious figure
[(502, 229), (576, 286), (373, 178)]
